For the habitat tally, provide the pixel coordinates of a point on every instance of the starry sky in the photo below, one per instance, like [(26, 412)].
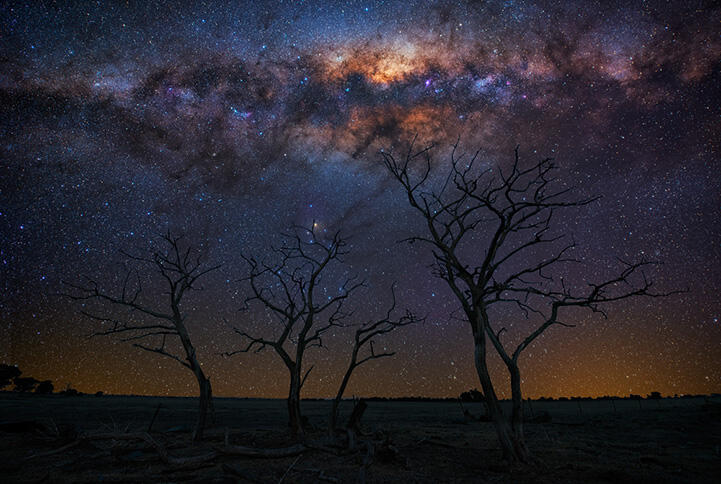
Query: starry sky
[(231, 121)]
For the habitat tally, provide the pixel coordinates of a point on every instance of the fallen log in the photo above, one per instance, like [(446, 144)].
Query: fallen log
[(243, 474), (143, 436), (291, 451), (227, 449)]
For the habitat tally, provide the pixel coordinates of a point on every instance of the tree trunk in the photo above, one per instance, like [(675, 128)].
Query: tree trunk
[(205, 402), (333, 421), (519, 440), (294, 415), (356, 415), (204, 389), (512, 450)]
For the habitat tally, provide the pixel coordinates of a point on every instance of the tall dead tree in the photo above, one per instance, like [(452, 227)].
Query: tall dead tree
[(294, 289), (491, 237), (364, 336), (139, 318)]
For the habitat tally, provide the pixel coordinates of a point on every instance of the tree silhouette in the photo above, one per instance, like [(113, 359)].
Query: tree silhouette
[(471, 396), (488, 232), (364, 336), (294, 289), (45, 387), (7, 374), (137, 318), (25, 384)]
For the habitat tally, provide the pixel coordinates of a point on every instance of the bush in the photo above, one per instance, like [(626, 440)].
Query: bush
[(45, 387), (472, 396), (8, 373), (70, 392), (25, 384)]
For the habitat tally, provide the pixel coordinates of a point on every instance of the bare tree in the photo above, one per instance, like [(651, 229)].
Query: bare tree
[(179, 267), (364, 336), (293, 288), (491, 239)]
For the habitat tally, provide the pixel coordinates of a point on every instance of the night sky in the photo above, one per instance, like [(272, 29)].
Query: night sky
[(230, 122)]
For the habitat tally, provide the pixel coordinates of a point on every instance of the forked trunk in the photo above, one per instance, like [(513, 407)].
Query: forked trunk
[(513, 448)]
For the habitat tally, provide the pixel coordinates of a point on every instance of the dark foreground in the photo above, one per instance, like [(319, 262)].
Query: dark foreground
[(672, 440)]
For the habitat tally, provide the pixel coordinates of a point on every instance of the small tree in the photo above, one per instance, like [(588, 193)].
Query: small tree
[(488, 232), (292, 289), (8, 373), (179, 268), (472, 396), (45, 387), (70, 391), (25, 384), (364, 336)]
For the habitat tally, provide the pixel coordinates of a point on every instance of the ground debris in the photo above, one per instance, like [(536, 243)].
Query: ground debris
[(413, 443)]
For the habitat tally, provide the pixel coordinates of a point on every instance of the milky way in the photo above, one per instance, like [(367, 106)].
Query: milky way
[(231, 122)]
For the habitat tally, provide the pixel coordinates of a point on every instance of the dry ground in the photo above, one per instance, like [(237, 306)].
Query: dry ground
[(670, 440)]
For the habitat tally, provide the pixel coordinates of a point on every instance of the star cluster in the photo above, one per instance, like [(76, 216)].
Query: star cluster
[(230, 121)]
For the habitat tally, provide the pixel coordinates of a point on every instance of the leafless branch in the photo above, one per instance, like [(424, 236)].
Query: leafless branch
[(490, 232), (364, 336), (178, 267), (292, 286)]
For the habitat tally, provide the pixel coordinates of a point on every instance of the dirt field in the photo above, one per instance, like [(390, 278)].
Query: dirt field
[(670, 440)]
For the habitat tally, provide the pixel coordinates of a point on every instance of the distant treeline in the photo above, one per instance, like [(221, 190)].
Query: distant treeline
[(11, 375), (476, 396), (650, 396)]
